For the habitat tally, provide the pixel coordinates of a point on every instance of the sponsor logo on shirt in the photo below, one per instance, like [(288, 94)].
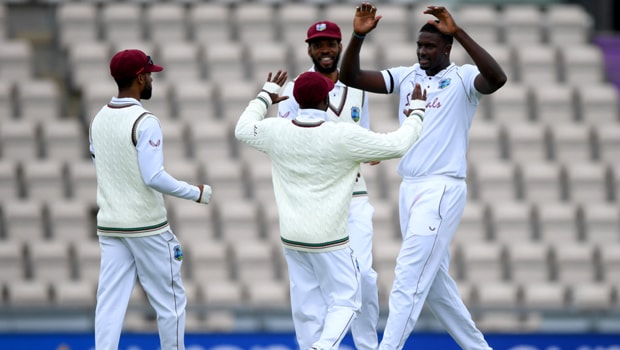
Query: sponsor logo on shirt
[(444, 83), (155, 144), (355, 114)]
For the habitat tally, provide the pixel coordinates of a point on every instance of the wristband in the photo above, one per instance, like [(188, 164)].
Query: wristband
[(205, 194), (264, 97), (359, 36), (418, 105), (271, 88)]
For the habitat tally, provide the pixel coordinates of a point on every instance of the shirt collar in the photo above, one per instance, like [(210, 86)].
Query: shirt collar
[(311, 116)]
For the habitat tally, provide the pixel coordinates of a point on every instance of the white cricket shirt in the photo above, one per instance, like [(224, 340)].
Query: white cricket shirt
[(451, 104)]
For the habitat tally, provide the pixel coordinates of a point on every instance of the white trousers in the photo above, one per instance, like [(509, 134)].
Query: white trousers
[(152, 261), (430, 210), (325, 296), (364, 327)]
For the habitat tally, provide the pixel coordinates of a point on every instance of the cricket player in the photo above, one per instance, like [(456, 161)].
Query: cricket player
[(347, 105), (134, 234), (314, 167), (433, 191)]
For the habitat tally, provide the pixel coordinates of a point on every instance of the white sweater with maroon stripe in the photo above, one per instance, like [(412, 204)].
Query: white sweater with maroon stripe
[(314, 166)]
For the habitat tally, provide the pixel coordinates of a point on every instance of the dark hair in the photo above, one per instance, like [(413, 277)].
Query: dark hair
[(429, 28), (124, 83)]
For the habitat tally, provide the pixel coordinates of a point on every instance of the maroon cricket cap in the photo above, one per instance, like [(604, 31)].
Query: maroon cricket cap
[(130, 63), (311, 88), (324, 30)]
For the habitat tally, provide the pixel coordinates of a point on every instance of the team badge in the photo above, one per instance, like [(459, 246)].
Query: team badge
[(444, 83), (355, 114), (320, 27), (178, 253)]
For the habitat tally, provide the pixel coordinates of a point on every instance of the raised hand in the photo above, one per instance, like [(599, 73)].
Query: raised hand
[(365, 18), (273, 85), (446, 23), (417, 94)]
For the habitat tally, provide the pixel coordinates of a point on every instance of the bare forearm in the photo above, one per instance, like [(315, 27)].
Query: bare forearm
[(350, 67), (487, 65)]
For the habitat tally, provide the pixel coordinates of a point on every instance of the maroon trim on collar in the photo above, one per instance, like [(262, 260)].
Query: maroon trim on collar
[(343, 98), (307, 125), (124, 105)]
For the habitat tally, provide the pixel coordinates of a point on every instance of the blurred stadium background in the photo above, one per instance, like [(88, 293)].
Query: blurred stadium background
[(538, 249)]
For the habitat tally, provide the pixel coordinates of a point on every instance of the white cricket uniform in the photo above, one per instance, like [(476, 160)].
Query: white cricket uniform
[(135, 237), (432, 197), (314, 166), (350, 105)]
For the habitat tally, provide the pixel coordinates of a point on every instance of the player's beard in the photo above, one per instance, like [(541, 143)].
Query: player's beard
[(325, 70), (147, 92)]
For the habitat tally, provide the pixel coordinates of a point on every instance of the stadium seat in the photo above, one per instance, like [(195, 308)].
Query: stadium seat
[(16, 60), (210, 22), (473, 225), (598, 104), (259, 178), (405, 55), (554, 103), (574, 262), (485, 142), (44, 179), (589, 297), (95, 95), (255, 22), (521, 24), (254, 261), (294, 19), (496, 180), (191, 222), (82, 180), (89, 61), (511, 221), (24, 220), (175, 140), (9, 179), (264, 59), (238, 219), (38, 99), (77, 22), (557, 222), (498, 295), (538, 65), (528, 262), (482, 261), (581, 64), (19, 140), (395, 25), (209, 259), (481, 21), (601, 222), (587, 182), (121, 21), (166, 23), (50, 260), (181, 61), (227, 178), (545, 296), (6, 100), (222, 294), (87, 259), (567, 24), (12, 261), (527, 141), (70, 220), (193, 100), (234, 97), (63, 140), (28, 294), (510, 104), (211, 141), (610, 261), (268, 294), (541, 181), (571, 142)]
